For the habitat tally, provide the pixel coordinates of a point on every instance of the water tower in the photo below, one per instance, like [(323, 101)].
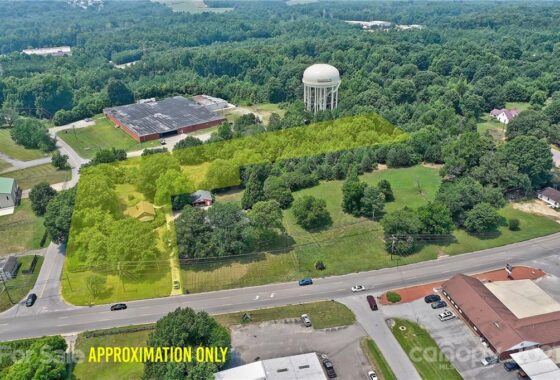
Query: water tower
[(320, 87)]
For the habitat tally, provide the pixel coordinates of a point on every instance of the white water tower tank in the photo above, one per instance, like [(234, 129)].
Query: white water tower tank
[(320, 87)]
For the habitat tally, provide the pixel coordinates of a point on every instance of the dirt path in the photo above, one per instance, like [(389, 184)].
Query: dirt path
[(538, 207)]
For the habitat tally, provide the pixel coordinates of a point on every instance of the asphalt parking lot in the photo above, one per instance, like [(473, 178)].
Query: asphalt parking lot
[(460, 344), (288, 337)]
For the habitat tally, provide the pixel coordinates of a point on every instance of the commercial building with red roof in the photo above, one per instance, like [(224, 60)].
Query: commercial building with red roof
[(493, 321)]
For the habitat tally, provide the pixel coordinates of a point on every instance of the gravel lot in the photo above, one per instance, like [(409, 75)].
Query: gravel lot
[(288, 337)]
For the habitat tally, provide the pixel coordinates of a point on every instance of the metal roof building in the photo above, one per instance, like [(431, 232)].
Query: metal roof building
[(537, 365), (297, 367), (152, 120)]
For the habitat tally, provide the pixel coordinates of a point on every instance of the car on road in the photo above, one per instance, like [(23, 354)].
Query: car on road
[(358, 288), (306, 321), (439, 304), (432, 298), (329, 368), (305, 281), (118, 306), (446, 315), (371, 375), (88, 120), (489, 360), (372, 303), (176, 284), (511, 366), (30, 301)]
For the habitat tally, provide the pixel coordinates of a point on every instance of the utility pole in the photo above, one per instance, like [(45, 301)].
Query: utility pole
[(6, 289)]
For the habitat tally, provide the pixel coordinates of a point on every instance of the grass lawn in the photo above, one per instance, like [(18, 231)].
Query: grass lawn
[(152, 284), (103, 135), (21, 231), (18, 152), (266, 109), (4, 166), (22, 284), (522, 106), (424, 352), (322, 314), (376, 358), (29, 177), (492, 126), (352, 244)]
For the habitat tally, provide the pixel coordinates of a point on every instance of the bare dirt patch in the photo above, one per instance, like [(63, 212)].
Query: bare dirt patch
[(538, 207)]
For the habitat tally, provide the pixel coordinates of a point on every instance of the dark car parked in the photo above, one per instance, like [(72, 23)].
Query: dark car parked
[(511, 366), (30, 301), (305, 281), (439, 304), (372, 303), (432, 298), (118, 306), (329, 368)]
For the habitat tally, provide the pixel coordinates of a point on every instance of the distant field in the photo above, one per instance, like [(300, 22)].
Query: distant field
[(192, 6), (519, 105), (22, 284), (20, 231), (18, 152), (103, 135), (29, 177)]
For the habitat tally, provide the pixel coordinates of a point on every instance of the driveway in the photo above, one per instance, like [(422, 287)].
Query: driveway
[(288, 337), (459, 343)]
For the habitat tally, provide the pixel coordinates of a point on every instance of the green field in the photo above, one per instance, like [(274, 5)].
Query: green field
[(491, 126), (18, 152), (103, 135), (322, 314), (21, 285), (29, 177), (375, 356), (424, 352), (21, 231), (353, 244), (192, 6), (522, 106)]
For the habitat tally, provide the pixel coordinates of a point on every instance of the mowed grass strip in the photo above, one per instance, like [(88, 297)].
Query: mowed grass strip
[(21, 285), (376, 358), (423, 351), (322, 314), (21, 231), (103, 135), (18, 152), (29, 177)]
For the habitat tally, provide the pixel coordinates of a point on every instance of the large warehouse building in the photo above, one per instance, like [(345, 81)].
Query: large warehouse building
[(510, 315), (151, 120)]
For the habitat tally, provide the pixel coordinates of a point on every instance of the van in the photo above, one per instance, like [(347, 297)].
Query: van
[(372, 303)]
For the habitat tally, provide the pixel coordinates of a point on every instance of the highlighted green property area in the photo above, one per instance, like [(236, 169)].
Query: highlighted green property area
[(133, 238)]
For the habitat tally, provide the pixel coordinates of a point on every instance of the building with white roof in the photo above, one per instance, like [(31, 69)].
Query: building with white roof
[(297, 367)]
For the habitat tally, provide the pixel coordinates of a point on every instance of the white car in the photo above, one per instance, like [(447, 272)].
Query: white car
[(305, 319), (358, 288), (446, 315), (371, 375)]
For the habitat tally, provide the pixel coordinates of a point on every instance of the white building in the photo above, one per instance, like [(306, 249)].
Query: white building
[(550, 196), (320, 87), (59, 51), (297, 367), (211, 103), (8, 195)]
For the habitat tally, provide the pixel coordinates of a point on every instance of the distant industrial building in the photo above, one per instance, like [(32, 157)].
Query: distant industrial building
[(510, 316), (59, 51), (297, 367), (151, 120), (211, 103), (320, 87)]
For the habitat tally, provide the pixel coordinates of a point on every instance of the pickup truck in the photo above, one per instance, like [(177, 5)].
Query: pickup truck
[(329, 368)]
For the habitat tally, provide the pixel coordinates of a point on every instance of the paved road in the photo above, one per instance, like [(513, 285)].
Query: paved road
[(376, 327), (75, 319), (18, 164)]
